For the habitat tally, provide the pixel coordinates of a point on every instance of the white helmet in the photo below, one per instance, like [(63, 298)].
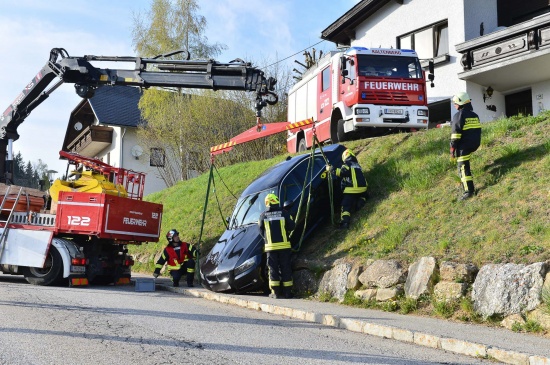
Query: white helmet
[(461, 98)]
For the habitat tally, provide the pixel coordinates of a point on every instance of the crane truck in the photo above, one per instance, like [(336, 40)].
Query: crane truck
[(82, 237), (359, 90)]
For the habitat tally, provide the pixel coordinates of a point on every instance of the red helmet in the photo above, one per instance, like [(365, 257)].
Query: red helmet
[(170, 235)]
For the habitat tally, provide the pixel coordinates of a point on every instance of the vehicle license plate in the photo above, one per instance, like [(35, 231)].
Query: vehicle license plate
[(78, 268), (393, 111)]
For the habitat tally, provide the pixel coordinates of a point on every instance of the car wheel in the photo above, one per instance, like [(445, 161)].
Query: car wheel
[(51, 273), (302, 147), (340, 131)]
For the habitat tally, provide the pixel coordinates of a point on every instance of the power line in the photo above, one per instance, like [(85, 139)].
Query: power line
[(292, 55)]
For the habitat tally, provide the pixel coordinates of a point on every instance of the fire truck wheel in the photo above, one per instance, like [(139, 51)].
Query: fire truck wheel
[(51, 273), (302, 147), (340, 132)]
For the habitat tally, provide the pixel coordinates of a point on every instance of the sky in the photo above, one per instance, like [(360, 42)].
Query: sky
[(253, 30)]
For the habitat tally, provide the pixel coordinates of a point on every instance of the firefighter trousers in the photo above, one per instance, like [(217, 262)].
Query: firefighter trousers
[(351, 202), (464, 172), (280, 270), (187, 269)]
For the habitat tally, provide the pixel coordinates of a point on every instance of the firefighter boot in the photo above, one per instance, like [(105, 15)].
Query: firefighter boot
[(287, 292), (190, 280), (275, 292)]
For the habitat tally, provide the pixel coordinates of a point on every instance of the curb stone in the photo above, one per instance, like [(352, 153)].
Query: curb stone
[(466, 348)]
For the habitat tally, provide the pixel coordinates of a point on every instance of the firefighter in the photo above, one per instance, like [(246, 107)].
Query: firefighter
[(465, 139), (179, 257), (276, 224), (353, 184)]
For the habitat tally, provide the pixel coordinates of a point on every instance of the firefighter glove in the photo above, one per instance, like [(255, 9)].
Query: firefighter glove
[(328, 168)]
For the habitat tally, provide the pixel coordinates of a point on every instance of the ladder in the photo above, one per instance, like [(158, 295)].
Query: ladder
[(4, 234)]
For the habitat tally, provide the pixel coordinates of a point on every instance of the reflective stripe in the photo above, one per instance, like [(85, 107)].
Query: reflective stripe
[(456, 135), (464, 158), (287, 283), (274, 283), (277, 246), (352, 190), (471, 123)]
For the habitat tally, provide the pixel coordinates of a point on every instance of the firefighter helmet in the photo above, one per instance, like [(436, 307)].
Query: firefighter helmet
[(461, 98), (271, 199), (170, 235), (347, 154)]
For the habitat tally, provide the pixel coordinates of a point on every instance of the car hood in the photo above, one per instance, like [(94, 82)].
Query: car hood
[(234, 247)]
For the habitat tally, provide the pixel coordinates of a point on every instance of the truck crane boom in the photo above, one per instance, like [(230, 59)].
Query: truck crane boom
[(160, 71)]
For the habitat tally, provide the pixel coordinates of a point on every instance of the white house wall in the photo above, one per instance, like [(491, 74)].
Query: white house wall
[(153, 182), (464, 18), (541, 97)]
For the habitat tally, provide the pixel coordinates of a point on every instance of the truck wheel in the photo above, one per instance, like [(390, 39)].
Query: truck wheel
[(51, 273), (302, 147), (340, 131)]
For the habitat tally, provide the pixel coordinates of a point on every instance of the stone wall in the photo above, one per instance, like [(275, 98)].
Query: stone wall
[(510, 291)]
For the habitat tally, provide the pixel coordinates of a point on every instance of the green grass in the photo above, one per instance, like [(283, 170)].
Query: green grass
[(413, 210)]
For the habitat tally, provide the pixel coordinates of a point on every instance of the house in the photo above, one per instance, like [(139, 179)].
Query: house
[(105, 127), (496, 50)]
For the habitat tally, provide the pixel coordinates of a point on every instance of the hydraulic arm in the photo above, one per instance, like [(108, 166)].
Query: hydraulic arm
[(160, 71)]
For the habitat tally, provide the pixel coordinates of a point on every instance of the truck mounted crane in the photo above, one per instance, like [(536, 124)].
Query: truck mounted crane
[(84, 237)]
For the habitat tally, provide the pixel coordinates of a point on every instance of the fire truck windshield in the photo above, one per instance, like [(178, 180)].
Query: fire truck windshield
[(389, 66)]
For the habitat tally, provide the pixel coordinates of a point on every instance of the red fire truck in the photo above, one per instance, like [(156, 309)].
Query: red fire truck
[(360, 90), (83, 236)]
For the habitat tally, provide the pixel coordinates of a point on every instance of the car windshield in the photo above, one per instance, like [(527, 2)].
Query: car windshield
[(249, 208)]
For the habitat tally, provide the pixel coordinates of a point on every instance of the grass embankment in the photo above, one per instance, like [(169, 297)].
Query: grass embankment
[(413, 209)]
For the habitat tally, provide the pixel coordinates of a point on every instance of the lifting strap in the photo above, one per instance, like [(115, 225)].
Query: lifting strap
[(210, 178), (315, 143)]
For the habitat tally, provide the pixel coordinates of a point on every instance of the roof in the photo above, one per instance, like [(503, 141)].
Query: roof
[(342, 31), (117, 105)]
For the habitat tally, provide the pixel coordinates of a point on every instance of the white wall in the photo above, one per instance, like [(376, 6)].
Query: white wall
[(393, 20), (541, 97), (477, 12), (126, 138)]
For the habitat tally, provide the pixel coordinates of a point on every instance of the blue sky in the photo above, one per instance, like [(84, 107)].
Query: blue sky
[(253, 30)]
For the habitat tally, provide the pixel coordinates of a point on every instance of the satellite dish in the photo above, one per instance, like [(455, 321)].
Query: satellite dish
[(137, 151)]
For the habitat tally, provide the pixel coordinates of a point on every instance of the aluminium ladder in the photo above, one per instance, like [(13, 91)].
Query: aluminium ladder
[(4, 234)]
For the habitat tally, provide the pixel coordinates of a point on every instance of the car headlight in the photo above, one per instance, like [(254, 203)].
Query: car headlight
[(422, 113), (360, 111), (251, 262)]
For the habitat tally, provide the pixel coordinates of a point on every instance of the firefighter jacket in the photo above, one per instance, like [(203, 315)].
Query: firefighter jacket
[(276, 224), (174, 257), (466, 129), (352, 179)]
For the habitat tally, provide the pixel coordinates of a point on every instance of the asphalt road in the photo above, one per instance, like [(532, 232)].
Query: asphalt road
[(106, 325)]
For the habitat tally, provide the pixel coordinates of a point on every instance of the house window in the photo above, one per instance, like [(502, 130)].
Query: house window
[(157, 157), (428, 42), (326, 79)]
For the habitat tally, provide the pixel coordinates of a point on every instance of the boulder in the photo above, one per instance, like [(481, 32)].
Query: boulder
[(367, 294), (511, 320), (385, 294), (448, 291), (305, 282), (421, 278), (506, 289), (335, 281), (353, 278), (383, 274), (458, 273)]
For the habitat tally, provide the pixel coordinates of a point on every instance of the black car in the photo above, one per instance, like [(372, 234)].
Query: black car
[(236, 263)]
